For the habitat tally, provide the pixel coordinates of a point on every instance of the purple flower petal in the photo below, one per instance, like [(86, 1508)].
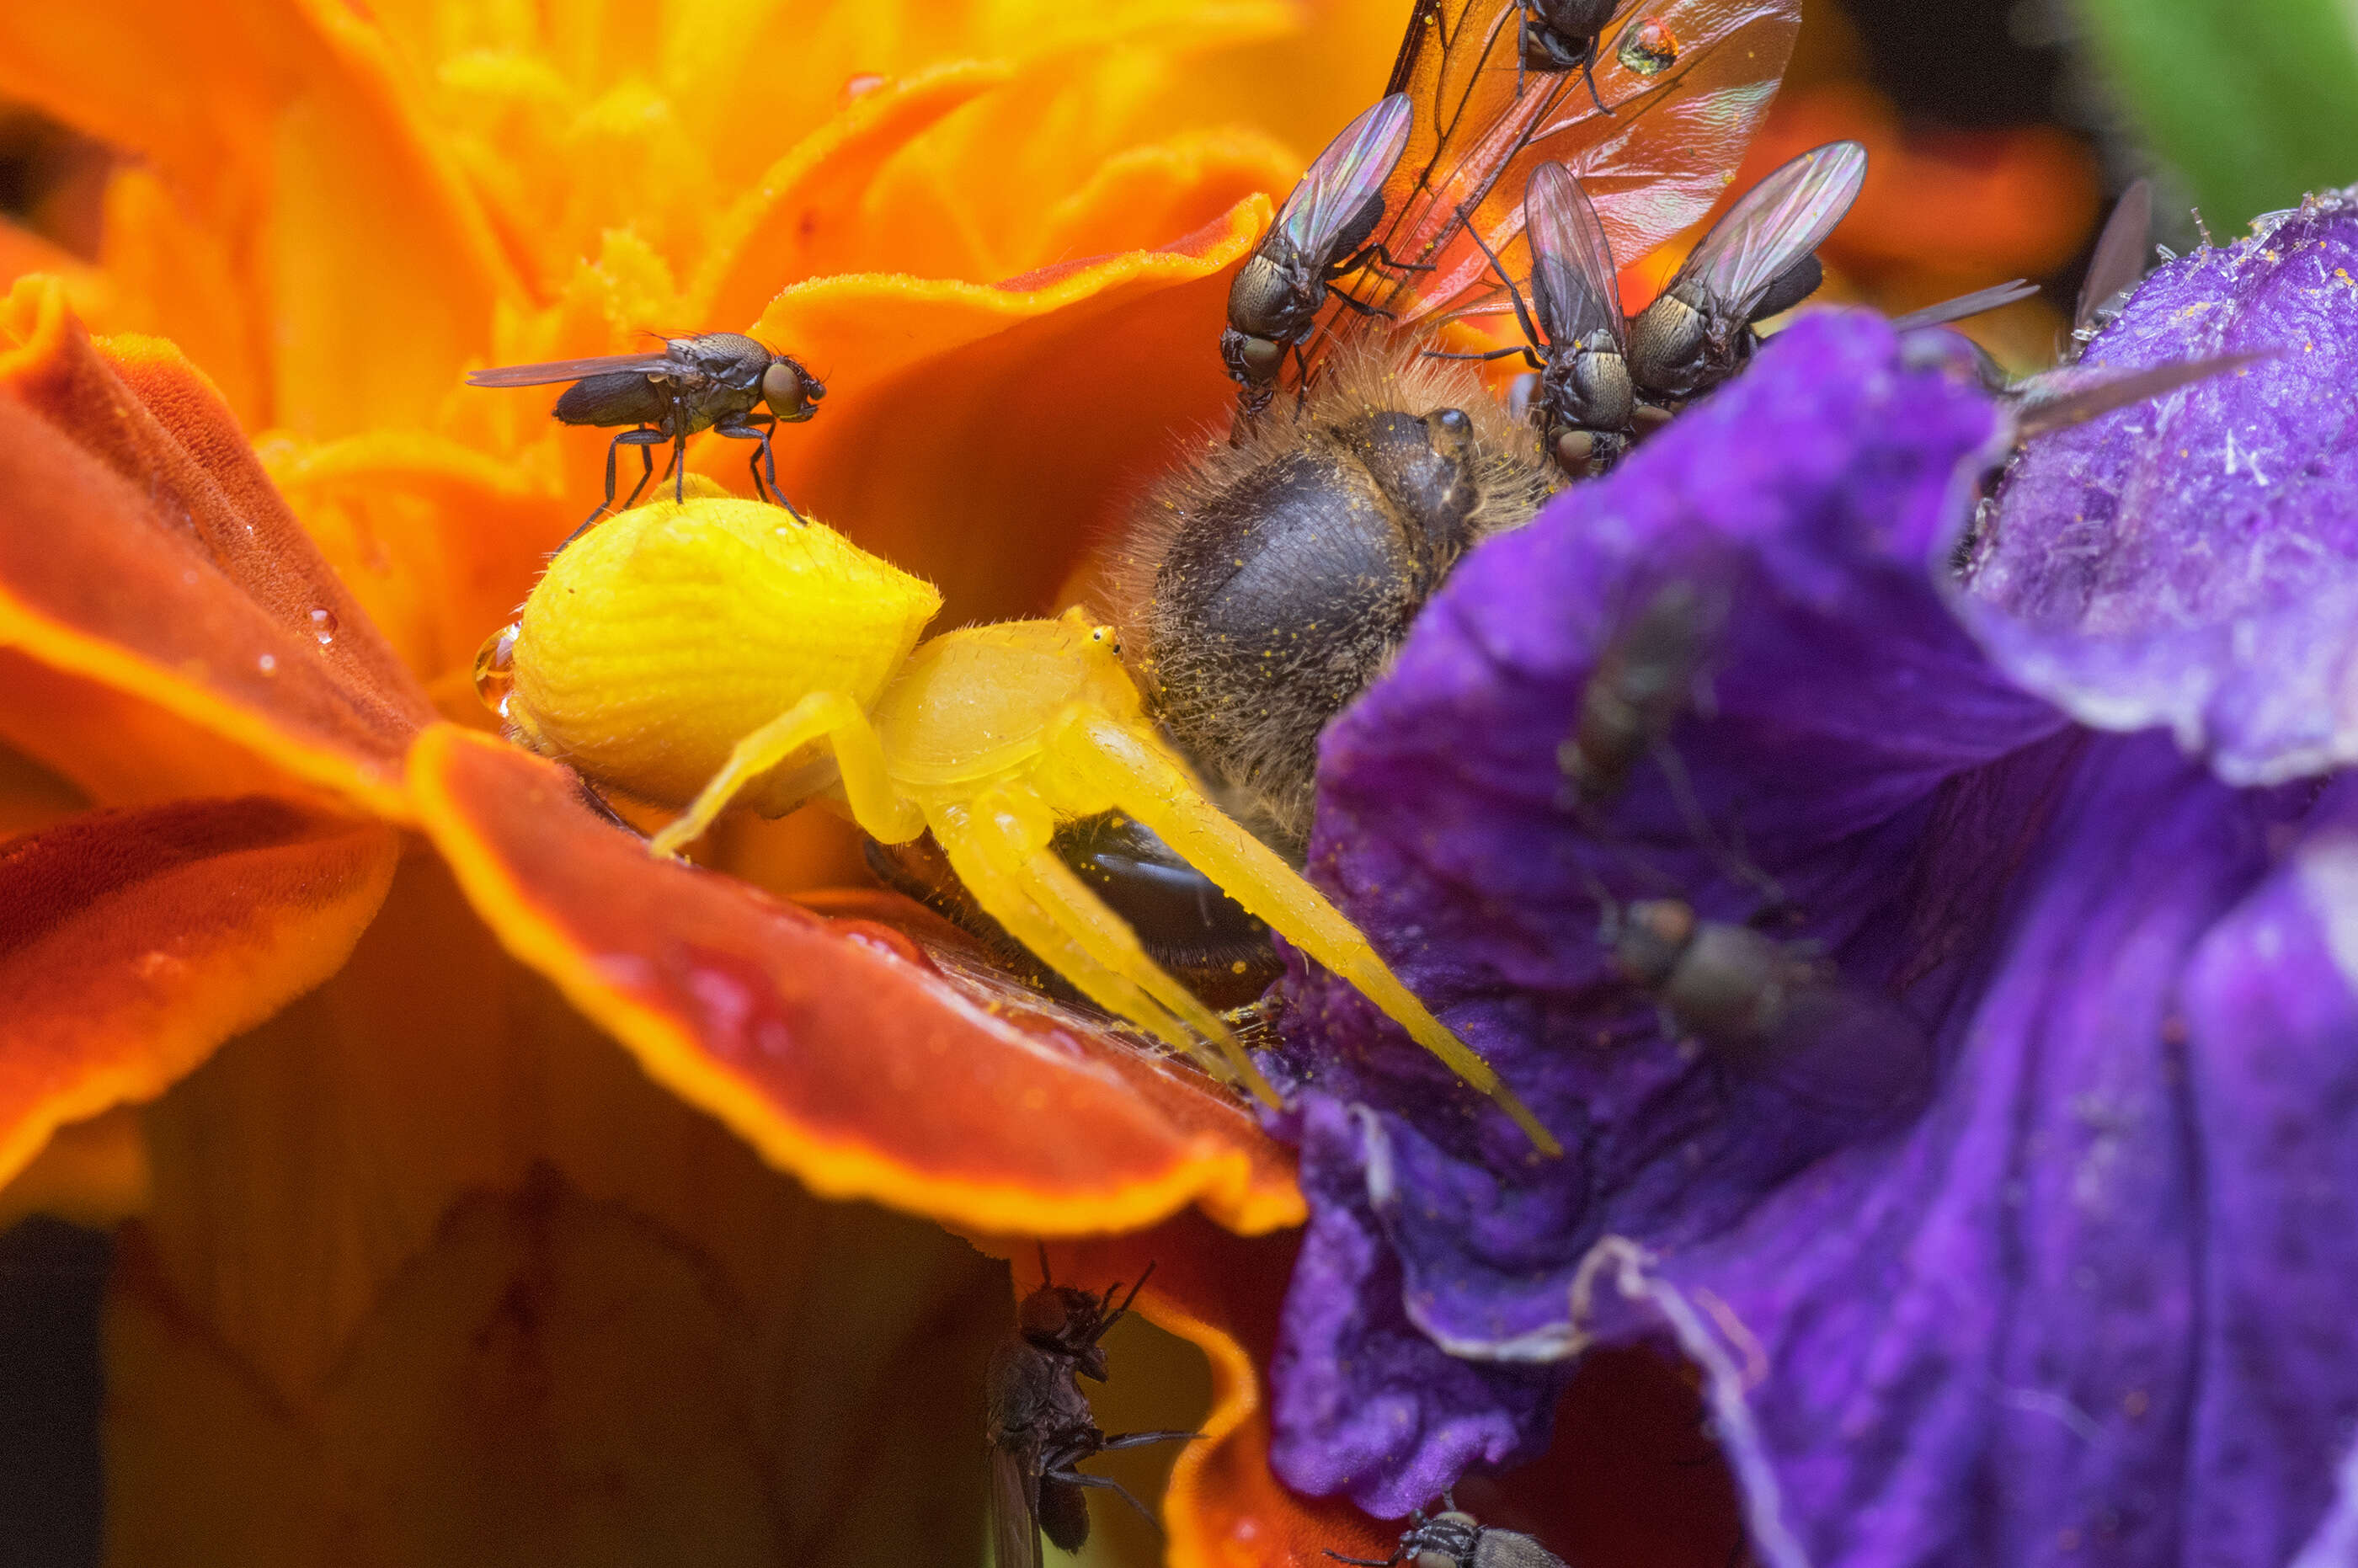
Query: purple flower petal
[(2080, 1294), (1807, 504), (2193, 563)]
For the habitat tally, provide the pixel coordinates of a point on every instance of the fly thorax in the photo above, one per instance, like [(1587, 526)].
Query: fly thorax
[(1669, 347), (1274, 298), (1728, 987)]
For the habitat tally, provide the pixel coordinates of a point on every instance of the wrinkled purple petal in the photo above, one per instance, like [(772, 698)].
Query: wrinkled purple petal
[(2088, 1302), (2193, 563), (1809, 502)]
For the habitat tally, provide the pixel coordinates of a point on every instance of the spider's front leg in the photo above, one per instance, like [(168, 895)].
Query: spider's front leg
[(1098, 761), (997, 844), (880, 810)]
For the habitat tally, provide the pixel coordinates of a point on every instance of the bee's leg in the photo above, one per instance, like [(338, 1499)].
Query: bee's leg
[(999, 846), (1103, 1483), (1102, 760), (859, 757)]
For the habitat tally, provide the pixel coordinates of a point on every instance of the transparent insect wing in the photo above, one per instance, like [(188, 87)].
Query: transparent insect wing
[(1687, 82), (1338, 182), (568, 370), (1573, 286), (1015, 1520), (1782, 220), (2119, 261)]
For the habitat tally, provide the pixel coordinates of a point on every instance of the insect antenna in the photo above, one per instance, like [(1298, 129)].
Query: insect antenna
[(1119, 1311)]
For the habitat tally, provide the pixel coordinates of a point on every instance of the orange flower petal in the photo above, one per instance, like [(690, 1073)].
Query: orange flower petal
[(979, 435), (289, 123), (836, 1049), (1139, 198), (132, 944), (183, 579), (439, 543), (802, 218)]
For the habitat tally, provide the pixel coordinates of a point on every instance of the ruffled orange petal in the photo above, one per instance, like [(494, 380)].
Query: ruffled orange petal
[(978, 436), (132, 944), (182, 581), (836, 1049), (804, 217), (438, 542), (288, 125)]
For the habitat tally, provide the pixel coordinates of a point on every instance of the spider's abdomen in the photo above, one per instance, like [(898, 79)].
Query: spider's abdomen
[(658, 640)]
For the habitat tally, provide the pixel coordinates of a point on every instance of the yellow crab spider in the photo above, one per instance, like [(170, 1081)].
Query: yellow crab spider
[(716, 652)]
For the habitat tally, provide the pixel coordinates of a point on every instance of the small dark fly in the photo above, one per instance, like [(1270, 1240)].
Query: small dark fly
[(2117, 266), (1757, 260), (1038, 1424), (1318, 237), (1835, 1063), (1644, 679), (714, 381), (1454, 1540), (1573, 332), (1666, 97)]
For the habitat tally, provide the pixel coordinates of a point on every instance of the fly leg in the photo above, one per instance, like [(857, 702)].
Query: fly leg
[(760, 428), (1104, 1482), (644, 437)]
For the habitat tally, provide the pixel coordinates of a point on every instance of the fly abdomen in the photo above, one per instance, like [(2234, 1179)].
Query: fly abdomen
[(617, 397)]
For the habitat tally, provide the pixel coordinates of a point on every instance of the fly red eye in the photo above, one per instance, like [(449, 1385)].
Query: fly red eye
[(789, 392)]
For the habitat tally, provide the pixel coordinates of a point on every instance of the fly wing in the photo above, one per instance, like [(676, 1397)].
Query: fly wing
[(1014, 1514), (566, 370), (1687, 82), (1779, 222), (2118, 265), (1964, 304), (1573, 286), (1337, 185)]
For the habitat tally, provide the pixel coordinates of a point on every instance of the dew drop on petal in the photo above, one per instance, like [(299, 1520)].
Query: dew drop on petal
[(495, 668), (859, 86), (267, 663), (323, 625)]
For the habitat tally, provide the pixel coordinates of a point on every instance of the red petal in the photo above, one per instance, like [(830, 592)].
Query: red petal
[(178, 576), (834, 1047), (133, 943)]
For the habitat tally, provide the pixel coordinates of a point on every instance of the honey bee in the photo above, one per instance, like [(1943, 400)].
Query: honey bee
[(707, 653), (1262, 586)]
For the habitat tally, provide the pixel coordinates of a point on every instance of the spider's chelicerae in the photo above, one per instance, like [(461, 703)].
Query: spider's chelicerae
[(716, 651)]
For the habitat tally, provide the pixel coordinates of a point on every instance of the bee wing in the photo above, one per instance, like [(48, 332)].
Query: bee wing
[(1687, 82), (1573, 286), (1015, 1508), (1779, 222), (566, 370), (1338, 182), (2118, 265)]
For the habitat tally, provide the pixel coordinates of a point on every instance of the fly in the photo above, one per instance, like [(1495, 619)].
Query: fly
[(1455, 1539), (1756, 261), (1574, 333), (1320, 235), (714, 381), (1038, 1424)]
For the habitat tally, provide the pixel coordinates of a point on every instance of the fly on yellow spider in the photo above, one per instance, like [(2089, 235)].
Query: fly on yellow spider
[(716, 652)]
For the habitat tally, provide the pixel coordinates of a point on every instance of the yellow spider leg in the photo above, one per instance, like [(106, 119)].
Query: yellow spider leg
[(1103, 758), (1036, 896), (859, 758)]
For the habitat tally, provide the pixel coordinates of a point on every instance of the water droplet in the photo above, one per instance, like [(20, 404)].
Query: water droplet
[(495, 667), (859, 86), (323, 625), (267, 663)]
